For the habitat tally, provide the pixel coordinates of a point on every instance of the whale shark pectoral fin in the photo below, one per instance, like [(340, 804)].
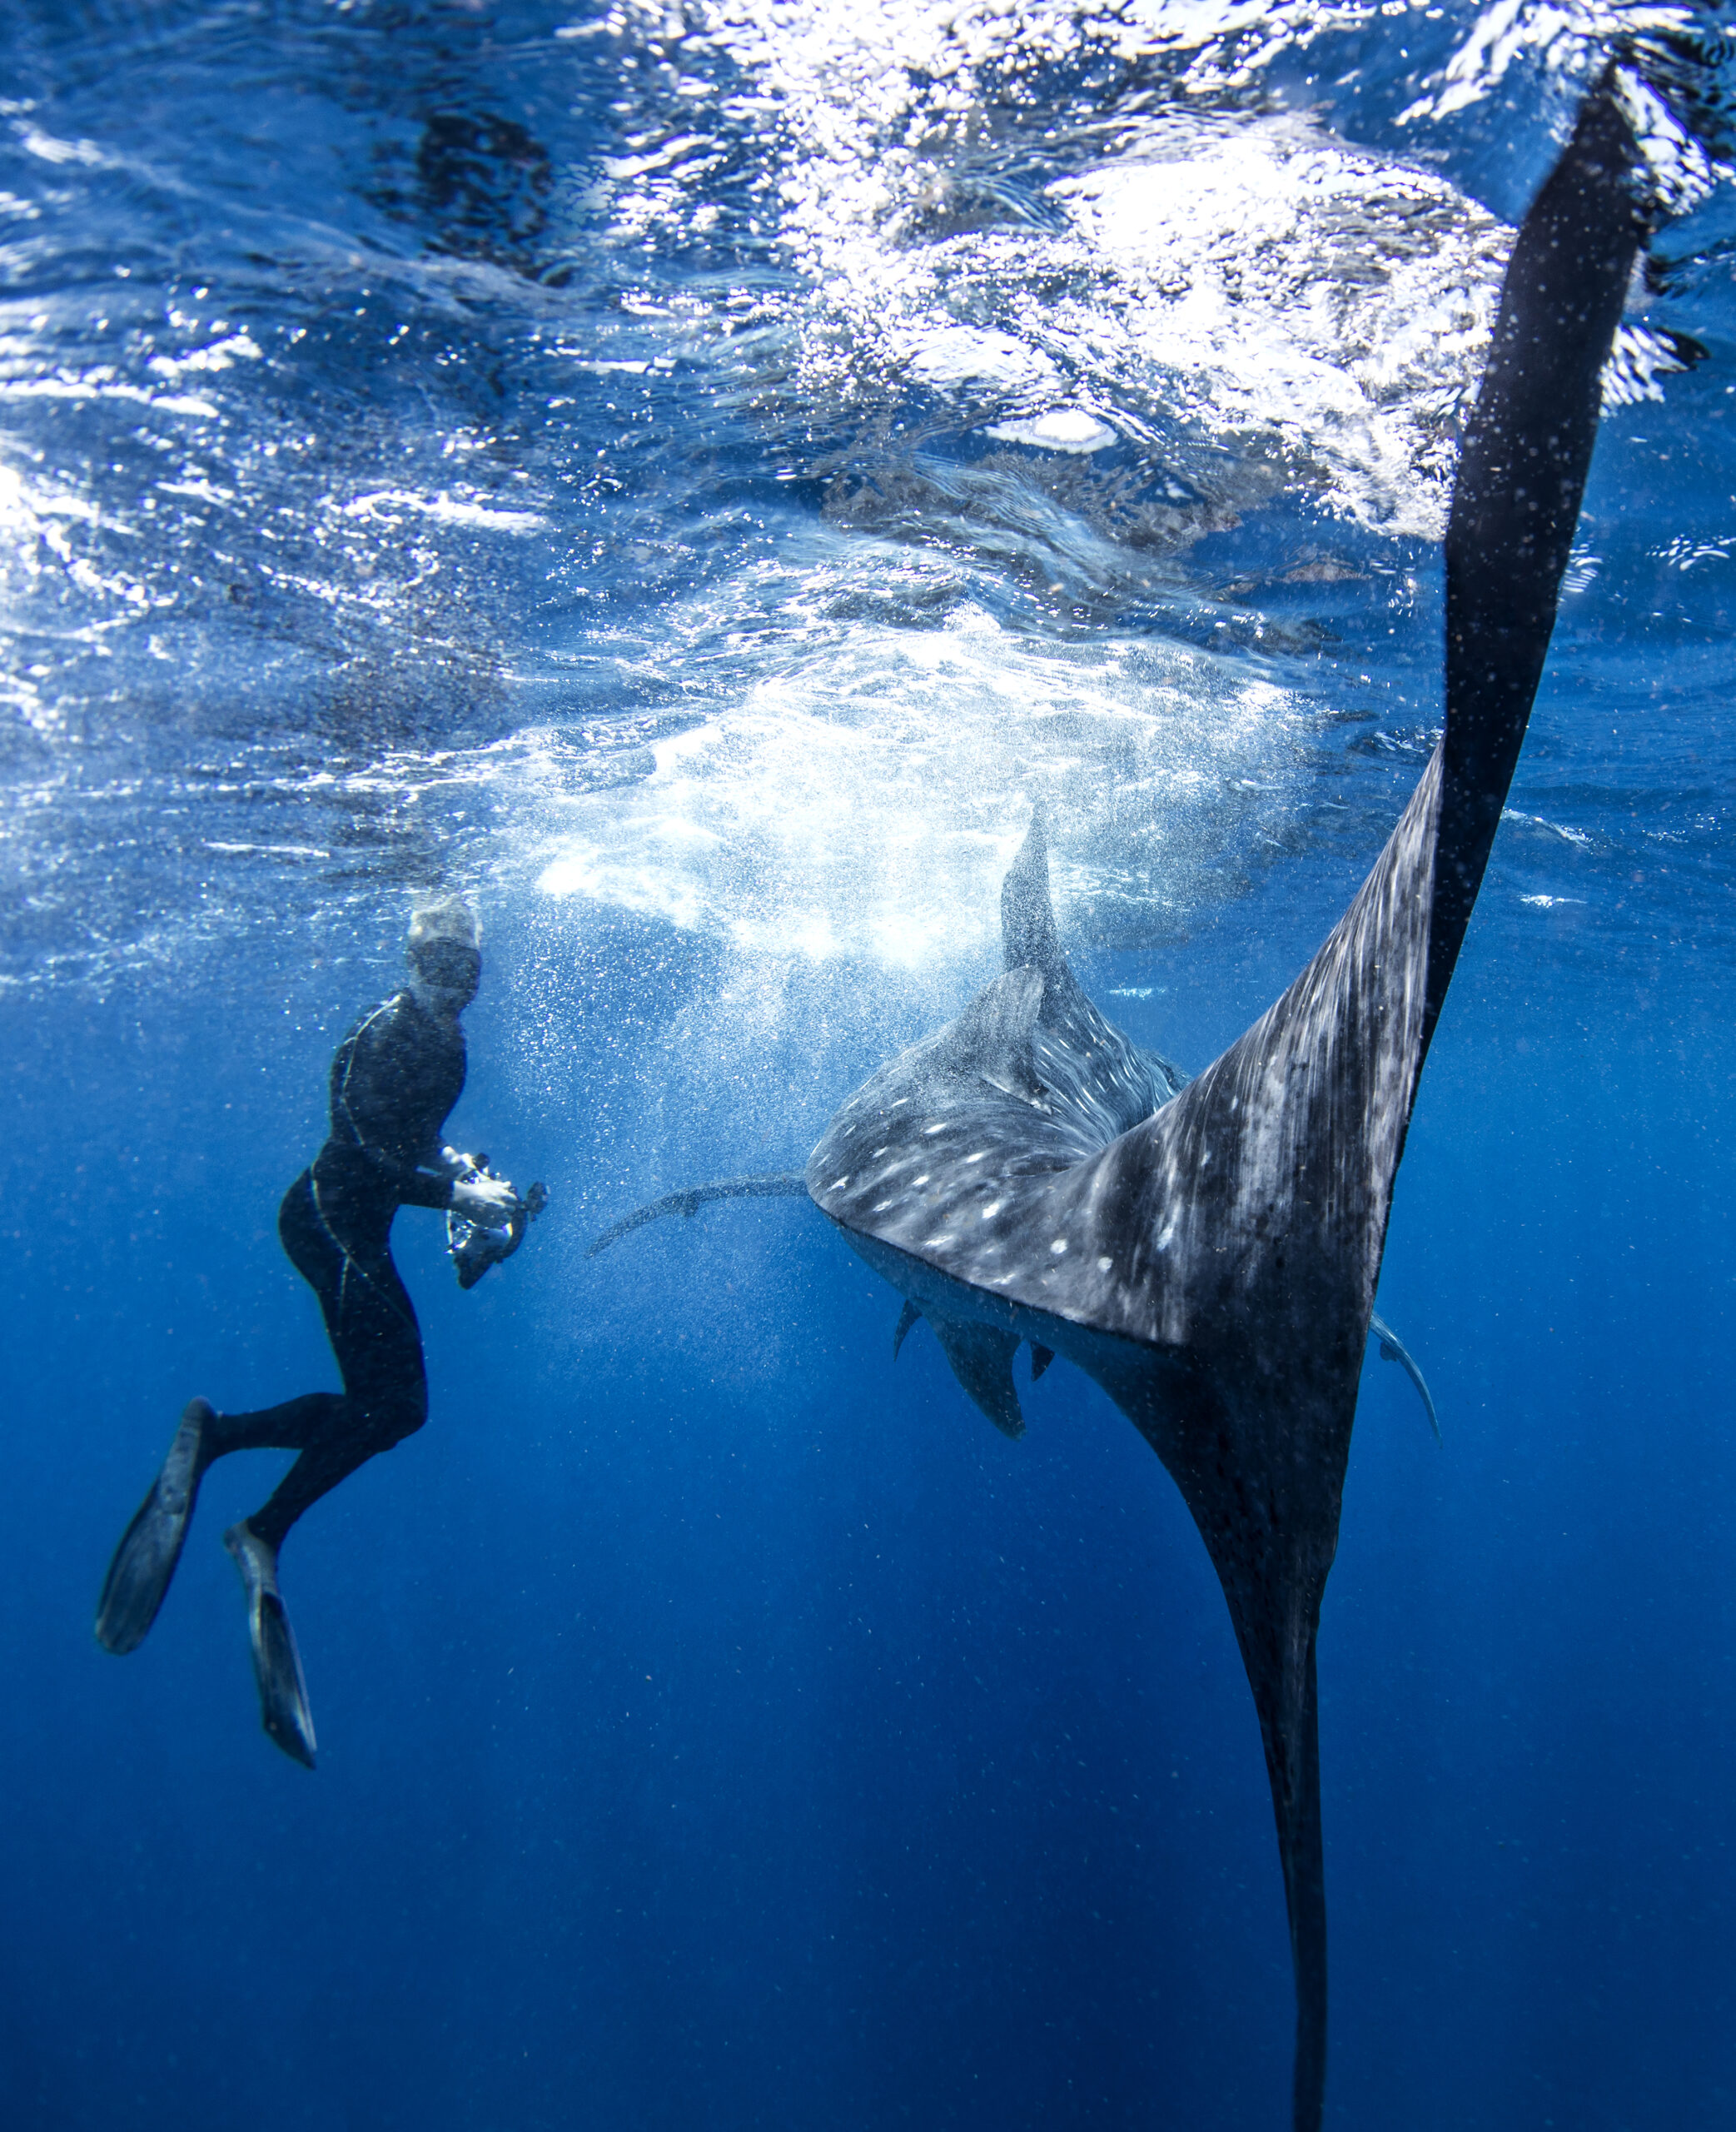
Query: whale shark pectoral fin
[(908, 1316), (981, 1357), (1394, 1350), (1040, 1357), (780, 1184)]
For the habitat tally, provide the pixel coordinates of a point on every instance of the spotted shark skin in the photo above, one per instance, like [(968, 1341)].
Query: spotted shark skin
[(1208, 1251)]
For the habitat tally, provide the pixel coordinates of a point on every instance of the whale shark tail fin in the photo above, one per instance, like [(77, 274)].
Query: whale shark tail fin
[(1233, 1239), (1516, 495), (1266, 1505)]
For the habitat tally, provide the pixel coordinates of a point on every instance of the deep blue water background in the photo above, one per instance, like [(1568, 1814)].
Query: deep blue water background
[(721, 1726)]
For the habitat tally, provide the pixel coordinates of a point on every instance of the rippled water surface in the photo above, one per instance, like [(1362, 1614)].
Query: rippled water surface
[(692, 477), (690, 463)]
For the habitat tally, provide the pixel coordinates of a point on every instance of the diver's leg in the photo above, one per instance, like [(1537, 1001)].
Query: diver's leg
[(315, 1416), (144, 1562), (292, 1425), (379, 1349)]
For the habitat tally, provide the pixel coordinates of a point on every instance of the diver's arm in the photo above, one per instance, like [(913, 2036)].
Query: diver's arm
[(434, 1179), (475, 1193), (418, 1185)]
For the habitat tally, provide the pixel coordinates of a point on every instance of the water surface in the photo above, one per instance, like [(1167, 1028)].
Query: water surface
[(692, 480)]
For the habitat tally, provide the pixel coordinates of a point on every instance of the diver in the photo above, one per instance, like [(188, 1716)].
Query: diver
[(395, 1078)]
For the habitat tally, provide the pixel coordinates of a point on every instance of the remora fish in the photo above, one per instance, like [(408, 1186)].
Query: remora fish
[(1208, 1252)]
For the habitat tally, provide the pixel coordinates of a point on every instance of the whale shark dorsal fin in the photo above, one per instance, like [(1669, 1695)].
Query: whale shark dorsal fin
[(1135, 1081), (1028, 936), (1027, 912), (991, 1038), (908, 1317), (981, 1357)]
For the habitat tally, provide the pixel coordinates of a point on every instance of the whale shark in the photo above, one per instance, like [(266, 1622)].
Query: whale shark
[(1206, 1249)]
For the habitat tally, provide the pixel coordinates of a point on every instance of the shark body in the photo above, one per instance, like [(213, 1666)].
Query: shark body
[(1207, 1250)]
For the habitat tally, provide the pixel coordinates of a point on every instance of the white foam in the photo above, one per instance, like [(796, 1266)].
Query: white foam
[(1229, 272), (864, 801), (388, 503), (1061, 429)]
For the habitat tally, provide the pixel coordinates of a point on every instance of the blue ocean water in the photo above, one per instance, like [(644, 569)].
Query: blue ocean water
[(691, 478)]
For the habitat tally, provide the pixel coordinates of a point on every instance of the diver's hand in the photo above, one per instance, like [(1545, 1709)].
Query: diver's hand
[(489, 1200)]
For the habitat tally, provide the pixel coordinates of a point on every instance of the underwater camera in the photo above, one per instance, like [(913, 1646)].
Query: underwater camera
[(474, 1247)]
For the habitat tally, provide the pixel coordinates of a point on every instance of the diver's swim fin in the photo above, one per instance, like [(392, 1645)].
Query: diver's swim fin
[(138, 1577), (283, 1707)]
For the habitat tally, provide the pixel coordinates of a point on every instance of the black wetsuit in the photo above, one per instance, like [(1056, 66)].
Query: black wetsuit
[(395, 1078)]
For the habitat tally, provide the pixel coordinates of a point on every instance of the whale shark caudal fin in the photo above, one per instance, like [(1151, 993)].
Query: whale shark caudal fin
[(1394, 1350), (1208, 1251)]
